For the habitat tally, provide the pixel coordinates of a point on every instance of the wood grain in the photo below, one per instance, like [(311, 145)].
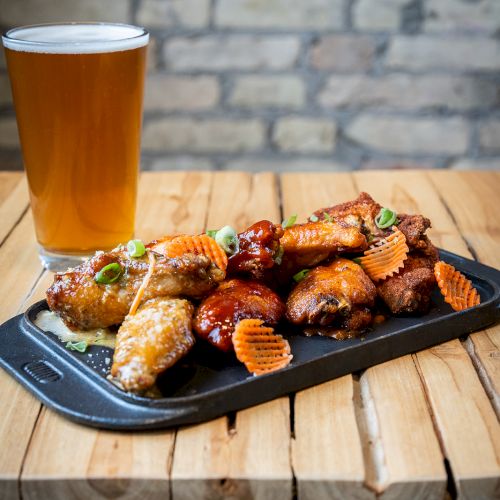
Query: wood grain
[(250, 459), (327, 464), (68, 460), (470, 436)]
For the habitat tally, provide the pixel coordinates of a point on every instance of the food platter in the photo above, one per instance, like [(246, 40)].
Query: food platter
[(208, 383)]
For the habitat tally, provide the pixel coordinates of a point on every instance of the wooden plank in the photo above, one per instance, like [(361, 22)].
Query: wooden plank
[(13, 206), (329, 463), (8, 181), (463, 416), (250, 459), (68, 460), (20, 268)]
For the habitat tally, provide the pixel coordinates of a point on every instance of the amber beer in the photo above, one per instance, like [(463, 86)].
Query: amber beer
[(78, 92)]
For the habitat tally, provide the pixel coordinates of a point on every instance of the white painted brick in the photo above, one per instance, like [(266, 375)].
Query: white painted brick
[(410, 135), (49, 11), (189, 135), (181, 163), (167, 13), (190, 93), (489, 136), (280, 13), (477, 164), (304, 134), (410, 92), (421, 53), (268, 91), (5, 93), (462, 15), (378, 15), (243, 52), (343, 53), (284, 165)]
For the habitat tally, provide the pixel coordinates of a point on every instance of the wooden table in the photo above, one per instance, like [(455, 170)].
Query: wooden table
[(421, 426)]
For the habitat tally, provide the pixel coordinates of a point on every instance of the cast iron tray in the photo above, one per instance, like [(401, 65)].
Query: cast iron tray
[(207, 384)]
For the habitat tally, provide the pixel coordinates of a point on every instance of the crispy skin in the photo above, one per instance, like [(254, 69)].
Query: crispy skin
[(82, 303), (359, 213), (409, 291), (258, 246), (324, 237), (151, 341), (234, 300), (338, 294), (414, 228)]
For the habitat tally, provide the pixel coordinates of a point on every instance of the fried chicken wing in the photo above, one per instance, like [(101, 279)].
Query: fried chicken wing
[(339, 294), (258, 246), (409, 291), (83, 303), (151, 341), (234, 300), (359, 213)]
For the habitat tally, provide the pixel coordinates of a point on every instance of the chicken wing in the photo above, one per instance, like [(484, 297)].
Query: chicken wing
[(409, 291), (339, 294), (234, 300), (258, 246), (83, 303), (150, 341)]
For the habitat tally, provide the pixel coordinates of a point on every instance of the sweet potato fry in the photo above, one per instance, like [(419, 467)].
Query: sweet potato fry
[(259, 348), (456, 289), (200, 244), (386, 257)]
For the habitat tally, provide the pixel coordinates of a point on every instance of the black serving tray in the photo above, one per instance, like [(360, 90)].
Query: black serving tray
[(207, 384)]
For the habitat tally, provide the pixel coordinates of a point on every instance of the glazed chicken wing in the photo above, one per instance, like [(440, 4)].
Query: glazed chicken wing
[(234, 300), (83, 303), (339, 294), (150, 341), (258, 246)]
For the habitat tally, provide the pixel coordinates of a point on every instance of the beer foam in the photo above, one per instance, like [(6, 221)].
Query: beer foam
[(75, 38)]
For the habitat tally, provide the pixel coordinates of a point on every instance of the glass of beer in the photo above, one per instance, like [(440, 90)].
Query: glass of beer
[(78, 90)]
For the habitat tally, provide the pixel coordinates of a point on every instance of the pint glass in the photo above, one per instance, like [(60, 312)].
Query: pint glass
[(78, 90)]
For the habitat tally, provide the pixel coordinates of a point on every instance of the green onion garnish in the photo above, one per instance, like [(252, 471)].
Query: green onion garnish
[(212, 233), (109, 274), (300, 275), (228, 240), (328, 217), (357, 260), (385, 218), (314, 218), (77, 346), (136, 248), (289, 222), (278, 258)]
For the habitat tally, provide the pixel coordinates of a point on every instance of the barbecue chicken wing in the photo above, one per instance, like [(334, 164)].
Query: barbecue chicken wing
[(150, 341), (234, 300), (258, 246), (83, 303), (339, 294)]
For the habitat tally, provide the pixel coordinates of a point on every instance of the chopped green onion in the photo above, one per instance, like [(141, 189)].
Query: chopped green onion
[(314, 218), (328, 217), (300, 275), (228, 240), (136, 248), (357, 260), (289, 222), (385, 218), (77, 346), (278, 258), (212, 233), (109, 274)]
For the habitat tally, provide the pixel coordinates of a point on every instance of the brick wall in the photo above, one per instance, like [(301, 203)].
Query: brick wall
[(303, 84)]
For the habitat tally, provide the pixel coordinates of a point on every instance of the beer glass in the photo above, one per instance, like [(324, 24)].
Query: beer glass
[(78, 90)]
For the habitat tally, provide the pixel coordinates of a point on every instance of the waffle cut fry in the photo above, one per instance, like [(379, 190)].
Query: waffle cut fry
[(456, 289), (200, 244), (259, 348), (386, 257)]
